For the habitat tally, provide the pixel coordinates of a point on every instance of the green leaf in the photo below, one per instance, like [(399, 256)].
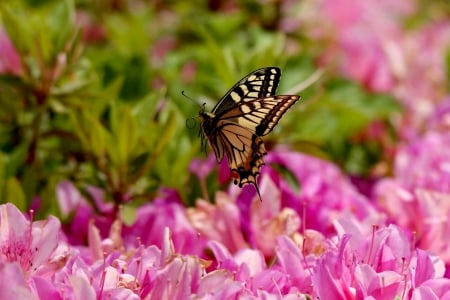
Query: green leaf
[(13, 193), (124, 131), (91, 132), (340, 113)]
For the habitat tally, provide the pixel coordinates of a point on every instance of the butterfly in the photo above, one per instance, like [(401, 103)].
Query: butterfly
[(249, 110)]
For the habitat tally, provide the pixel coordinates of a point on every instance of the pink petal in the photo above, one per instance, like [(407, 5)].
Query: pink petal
[(82, 289), (13, 284)]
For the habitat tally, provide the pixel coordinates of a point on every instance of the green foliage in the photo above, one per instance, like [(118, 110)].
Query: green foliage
[(129, 142), (108, 111), (347, 109), (332, 119)]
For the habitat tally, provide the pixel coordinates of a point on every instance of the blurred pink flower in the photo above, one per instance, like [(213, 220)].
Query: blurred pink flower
[(368, 43), (167, 211), (366, 38), (439, 120), (219, 221), (423, 211), (424, 163), (10, 62), (258, 225), (433, 234), (92, 30), (325, 193), (426, 80), (81, 211), (268, 219), (202, 167)]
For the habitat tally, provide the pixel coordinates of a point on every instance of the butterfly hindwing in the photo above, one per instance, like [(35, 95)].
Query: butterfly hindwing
[(244, 150), (250, 109), (261, 115)]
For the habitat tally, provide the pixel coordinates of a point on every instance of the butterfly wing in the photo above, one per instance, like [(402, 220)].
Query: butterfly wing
[(244, 150), (258, 84), (260, 115)]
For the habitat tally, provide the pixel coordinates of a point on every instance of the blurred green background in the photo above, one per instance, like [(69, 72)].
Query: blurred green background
[(96, 96)]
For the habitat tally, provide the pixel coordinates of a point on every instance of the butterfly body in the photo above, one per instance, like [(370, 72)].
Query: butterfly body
[(248, 111)]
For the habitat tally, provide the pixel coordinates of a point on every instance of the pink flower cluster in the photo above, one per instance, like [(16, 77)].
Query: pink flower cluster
[(235, 248), (321, 240), (369, 44)]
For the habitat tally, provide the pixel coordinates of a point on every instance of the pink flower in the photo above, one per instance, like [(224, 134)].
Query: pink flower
[(366, 36), (381, 285), (424, 84), (28, 244), (325, 192), (219, 221), (296, 265), (82, 211), (255, 223), (439, 120), (151, 219), (202, 167), (10, 62), (432, 290), (424, 163), (220, 284), (92, 30), (383, 265), (268, 219), (13, 284), (434, 209), (418, 197), (248, 268)]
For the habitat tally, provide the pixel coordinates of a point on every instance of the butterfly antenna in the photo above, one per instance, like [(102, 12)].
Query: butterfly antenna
[(192, 100)]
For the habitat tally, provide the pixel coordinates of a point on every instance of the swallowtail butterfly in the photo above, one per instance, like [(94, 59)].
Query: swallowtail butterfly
[(249, 110)]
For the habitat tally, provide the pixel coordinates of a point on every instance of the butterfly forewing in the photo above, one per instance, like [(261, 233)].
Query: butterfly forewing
[(259, 84), (249, 110)]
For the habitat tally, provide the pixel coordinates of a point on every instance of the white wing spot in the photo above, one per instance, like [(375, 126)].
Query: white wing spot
[(245, 109), (247, 123), (244, 88), (235, 96), (253, 119)]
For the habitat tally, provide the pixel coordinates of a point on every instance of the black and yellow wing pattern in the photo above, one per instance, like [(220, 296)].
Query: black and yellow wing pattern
[(249, 110)]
